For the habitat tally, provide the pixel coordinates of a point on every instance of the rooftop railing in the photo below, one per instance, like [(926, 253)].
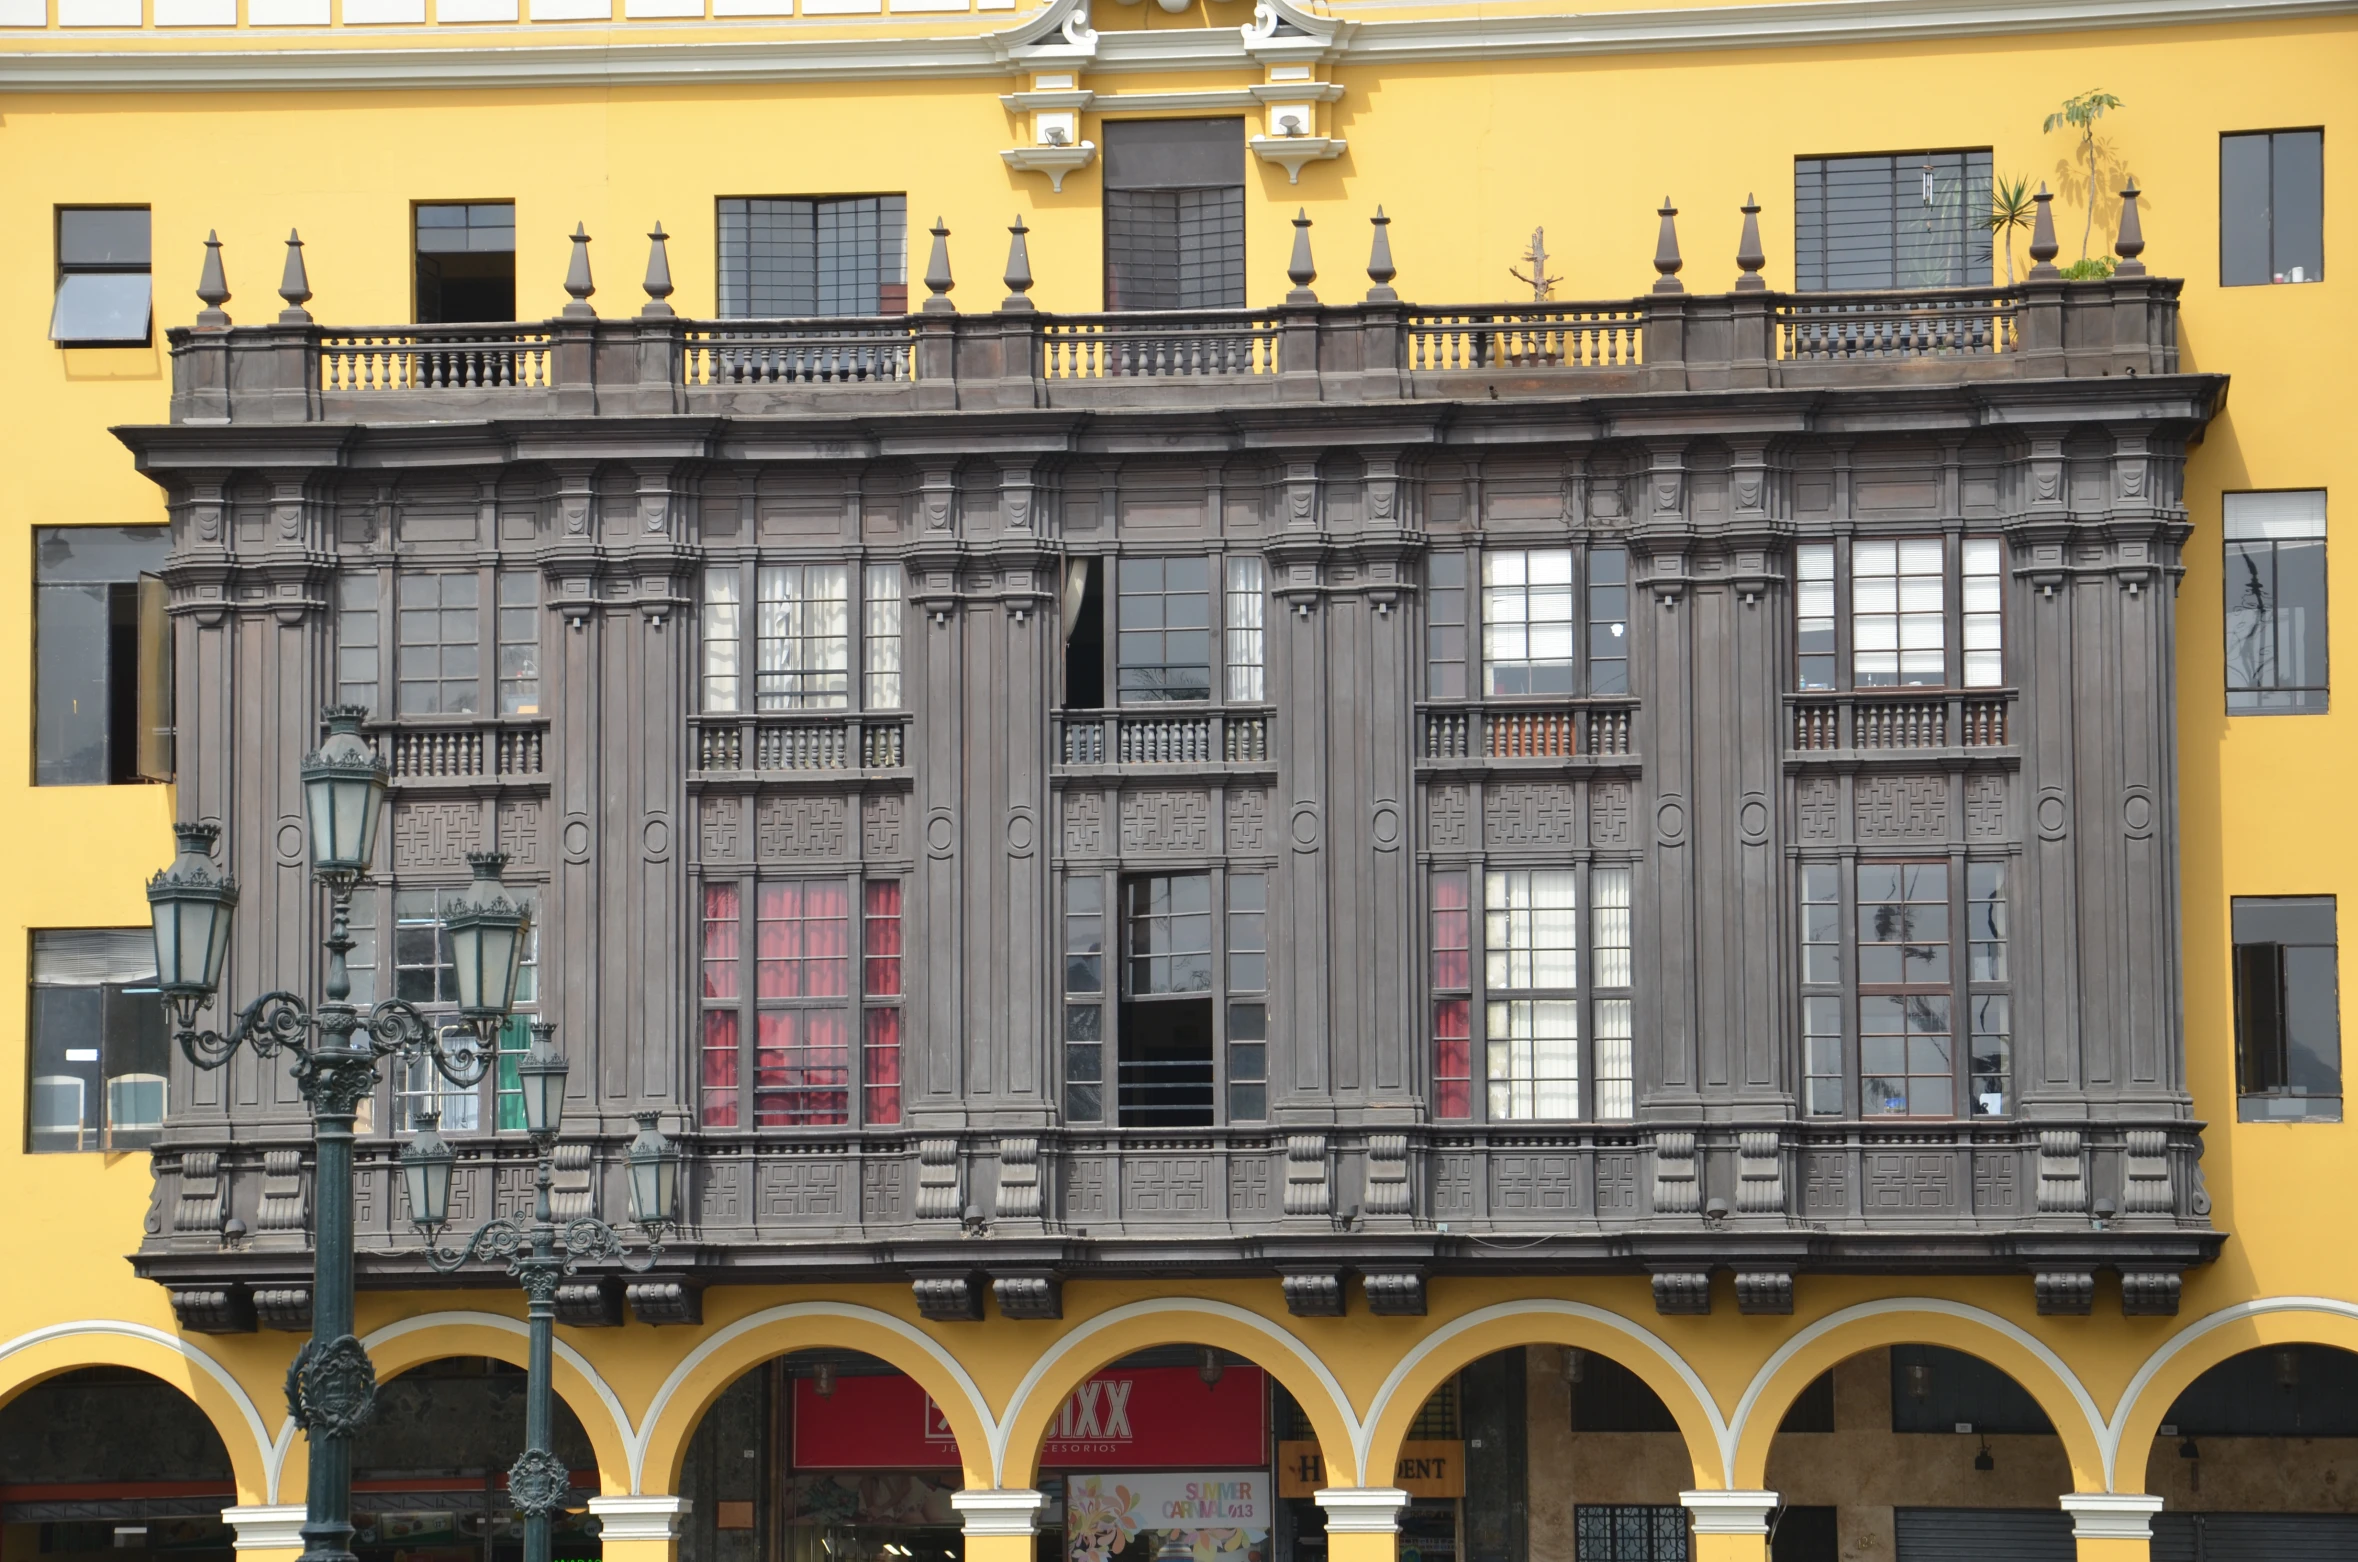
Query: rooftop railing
[(1303, 350)]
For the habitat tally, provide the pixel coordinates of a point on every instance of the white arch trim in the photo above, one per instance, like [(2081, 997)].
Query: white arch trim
[(639, 1439), (1363, 1435), (1938, 1307), (2111, 1432), (1284, 1339), (269, 1455)]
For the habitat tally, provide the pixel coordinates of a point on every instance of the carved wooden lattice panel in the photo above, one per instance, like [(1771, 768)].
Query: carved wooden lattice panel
[(1248, 823), (881, 817), (1448, 819), (1172, 822), (1903, 808), (1608, 813), (803, 828), (1528, 813), (428, 836)]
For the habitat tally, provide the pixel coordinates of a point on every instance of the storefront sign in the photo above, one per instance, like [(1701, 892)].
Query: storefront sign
[(1427, 1469), (1221, 1516), (1122, 1419)]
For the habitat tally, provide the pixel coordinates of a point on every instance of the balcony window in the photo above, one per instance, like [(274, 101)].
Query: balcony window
[(1889, 220), (2288, 1029), (1552, 622), (1248, 1004), (790, 255), (1164, 1054), (1084, 998), (425, 974), (2272, 207), (1445, 626), (803, 638), (887, 599), (1900, 612), (519, 643), (1608, 621), (1247, 641), (1163, 629), (466, 262), (1527, 621), (357, 653), (1532, 1001), (1821, 966), (438, 660), (104, 290), (777, 1050), (98, 1050), (1174, 214), (102, 656), (2276, 645)]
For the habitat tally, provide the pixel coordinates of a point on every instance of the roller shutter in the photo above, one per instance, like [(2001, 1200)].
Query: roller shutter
[(1983, 1535), (2255, 1537)]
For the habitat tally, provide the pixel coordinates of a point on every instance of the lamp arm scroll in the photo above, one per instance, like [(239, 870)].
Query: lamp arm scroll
[(278, 1021), (503, 1237)]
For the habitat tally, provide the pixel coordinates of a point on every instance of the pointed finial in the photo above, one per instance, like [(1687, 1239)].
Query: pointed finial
[(1749, 258), (2131, 242), (658, 283), (295, 284), (2042, 245), (1299, 269), (1379, 261), (937, 273), (577, 276), (212, 287), (1666, 259), (1019, 267)]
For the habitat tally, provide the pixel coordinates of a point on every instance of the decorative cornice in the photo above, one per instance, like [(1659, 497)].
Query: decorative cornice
[(152, 63)]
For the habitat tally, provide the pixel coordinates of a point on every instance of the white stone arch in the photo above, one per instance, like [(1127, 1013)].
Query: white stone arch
[(267, 1453), (2111, 1432), (1934, 1306)]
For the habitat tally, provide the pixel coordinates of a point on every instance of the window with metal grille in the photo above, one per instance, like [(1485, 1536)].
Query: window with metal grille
[(2288, 1035), (1901, 219), (1164, 1061), (439, 656), (1163, 629), (1629, 1532), (2276, 642), (105, 293), (2272, 207), (1174, 214), (803, 638), (789, 255)]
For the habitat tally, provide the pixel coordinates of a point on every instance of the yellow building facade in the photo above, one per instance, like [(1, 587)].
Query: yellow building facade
[(1470, 127)]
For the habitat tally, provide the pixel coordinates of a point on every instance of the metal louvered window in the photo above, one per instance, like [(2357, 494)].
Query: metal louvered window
[(797, 256), (1898, 219)]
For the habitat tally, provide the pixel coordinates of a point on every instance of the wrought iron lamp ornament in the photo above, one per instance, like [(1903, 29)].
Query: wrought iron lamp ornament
[(334, 1049), (540, 1253)]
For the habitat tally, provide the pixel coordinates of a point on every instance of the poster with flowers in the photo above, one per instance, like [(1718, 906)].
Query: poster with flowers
[(1221, 1516)]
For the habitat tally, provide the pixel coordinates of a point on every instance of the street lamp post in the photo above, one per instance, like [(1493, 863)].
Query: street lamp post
[(335, 1049), (540, 1254)]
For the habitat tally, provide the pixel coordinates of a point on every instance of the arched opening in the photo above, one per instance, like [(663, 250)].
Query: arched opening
[(101, 1461), (1607, 1462), (1172, 1453), (2258, 1457), (1918, 1453), (430, 1469), (822, 1455)]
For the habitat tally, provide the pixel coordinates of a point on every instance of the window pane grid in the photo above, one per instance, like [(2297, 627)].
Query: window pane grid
[(1445, 626), (1608, 621), (1164, 632), (2276, 602), (880, 1035), (1615, 1065), (1084, 987), (356, 639), (1906, 219), (1897, 623), (1907, 1065), (519, 643), (1813, 613), (788, 256), (1984, 621), (803, 648), (1530, 944), (1527, 621), (1452, 956), (438, 661), (724, 591)]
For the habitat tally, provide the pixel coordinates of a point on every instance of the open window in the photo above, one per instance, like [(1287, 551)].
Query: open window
[(466, 262), (102, 656)]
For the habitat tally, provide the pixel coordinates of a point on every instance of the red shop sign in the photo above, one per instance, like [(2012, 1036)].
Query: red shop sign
[(1139, 1418)]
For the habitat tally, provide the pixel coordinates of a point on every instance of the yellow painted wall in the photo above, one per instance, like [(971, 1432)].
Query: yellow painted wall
[(1466, 160)]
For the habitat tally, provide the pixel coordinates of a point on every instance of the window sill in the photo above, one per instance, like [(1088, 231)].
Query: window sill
[(2288, 1109)]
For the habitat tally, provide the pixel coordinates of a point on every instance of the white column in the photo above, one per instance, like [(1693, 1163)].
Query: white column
[(2104, 1515), (277, 1527), (1729, 1512), (1362, 1510), (638, 1518), (995, 1511)]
